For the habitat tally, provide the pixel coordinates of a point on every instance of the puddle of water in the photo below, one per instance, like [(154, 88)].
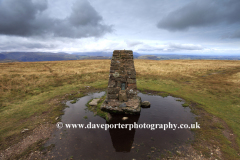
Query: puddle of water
[(121, 143)]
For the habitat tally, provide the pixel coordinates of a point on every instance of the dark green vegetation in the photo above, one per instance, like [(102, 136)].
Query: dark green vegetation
[(185, 105), (32, 94)]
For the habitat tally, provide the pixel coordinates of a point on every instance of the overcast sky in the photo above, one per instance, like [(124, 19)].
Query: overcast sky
[(205, 27)]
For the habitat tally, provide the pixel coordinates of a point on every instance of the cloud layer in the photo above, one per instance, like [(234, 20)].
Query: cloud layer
[(172, 47), (26, 18), (199, 13), (186, 26)]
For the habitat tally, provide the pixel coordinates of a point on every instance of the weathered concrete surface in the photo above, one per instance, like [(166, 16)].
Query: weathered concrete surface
[(94, 102), (122, 87)]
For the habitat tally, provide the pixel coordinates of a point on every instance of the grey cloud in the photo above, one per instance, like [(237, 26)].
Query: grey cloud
[(16, 16), (84, 14), (233, 35), (25, 18), (236, 34), (15, 43), (200, 13), (27, 45), (132, 43), (184, 47), (39, 45)]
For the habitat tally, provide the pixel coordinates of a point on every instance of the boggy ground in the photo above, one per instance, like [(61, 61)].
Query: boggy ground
[(32, 92)]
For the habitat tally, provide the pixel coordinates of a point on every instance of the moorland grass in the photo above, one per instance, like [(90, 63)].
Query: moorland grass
[(27, 88)]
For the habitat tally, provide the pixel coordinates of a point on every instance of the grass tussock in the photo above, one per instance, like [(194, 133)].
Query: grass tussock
[(28, 90)]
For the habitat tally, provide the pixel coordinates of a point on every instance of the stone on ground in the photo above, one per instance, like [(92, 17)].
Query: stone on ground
[(145, 104), (124, 118), (94, 102)]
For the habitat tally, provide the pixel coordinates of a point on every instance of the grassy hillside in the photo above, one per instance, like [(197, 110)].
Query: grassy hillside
[(28, 90)]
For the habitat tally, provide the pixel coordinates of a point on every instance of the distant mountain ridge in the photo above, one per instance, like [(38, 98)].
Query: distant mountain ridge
[(43, 56), (105, 54), (175, 56), (49, 56)]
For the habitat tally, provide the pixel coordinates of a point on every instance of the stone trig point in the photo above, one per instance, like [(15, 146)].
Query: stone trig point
[(122, 89)]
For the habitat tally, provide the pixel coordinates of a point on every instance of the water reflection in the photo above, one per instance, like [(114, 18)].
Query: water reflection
[(122, 138)]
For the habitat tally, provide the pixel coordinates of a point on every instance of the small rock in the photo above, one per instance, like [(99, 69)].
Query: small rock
[(94, 102), (124, 118), (123, 105), (24, 130), (145, 104)]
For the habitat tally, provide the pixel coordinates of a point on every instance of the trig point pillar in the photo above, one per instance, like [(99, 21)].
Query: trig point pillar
[(122, 89)]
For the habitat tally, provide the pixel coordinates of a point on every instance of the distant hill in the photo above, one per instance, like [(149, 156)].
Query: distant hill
[(175, 56), (49, 56), (104, 54), (44, 56), (151, 57), (2, 57)]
